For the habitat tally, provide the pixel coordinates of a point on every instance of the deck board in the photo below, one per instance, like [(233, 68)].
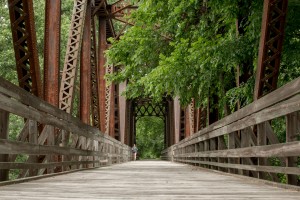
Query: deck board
[(144, 180)]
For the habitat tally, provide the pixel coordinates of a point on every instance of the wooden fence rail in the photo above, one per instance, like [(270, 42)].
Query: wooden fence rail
[(51, 140), (245, 142)]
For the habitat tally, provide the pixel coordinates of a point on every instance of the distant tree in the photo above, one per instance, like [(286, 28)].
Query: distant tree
[(150, 137)]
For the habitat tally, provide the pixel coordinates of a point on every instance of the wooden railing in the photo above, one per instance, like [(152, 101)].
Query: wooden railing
[(245, 142), (51, 141)]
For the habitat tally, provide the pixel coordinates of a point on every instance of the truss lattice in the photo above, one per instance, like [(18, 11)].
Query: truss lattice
[(72, 56)]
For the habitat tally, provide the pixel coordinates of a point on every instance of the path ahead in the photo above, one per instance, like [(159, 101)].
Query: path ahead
[(144, 180)]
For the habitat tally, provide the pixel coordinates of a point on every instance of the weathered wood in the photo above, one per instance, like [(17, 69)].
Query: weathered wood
[(20, 95), (13, 147), (151, 182), (261, 141), (278, 110), (4, 121), (232, 145), (287, 91), (292, 127), (31, 166), (271, 169), (276, 150), (31, 113), (33, 138)]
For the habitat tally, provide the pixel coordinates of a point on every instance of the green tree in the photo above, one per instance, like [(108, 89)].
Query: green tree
[(150, 137)]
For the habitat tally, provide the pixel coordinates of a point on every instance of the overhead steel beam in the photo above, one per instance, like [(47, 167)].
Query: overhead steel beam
[(24, 40), (271, 42)]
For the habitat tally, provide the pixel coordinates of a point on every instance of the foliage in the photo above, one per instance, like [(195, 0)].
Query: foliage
[(180, 48), (150, 137)]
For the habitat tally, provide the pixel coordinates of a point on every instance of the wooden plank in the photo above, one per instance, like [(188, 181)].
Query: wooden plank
[(271, 169), (261, 141), (28, 165), (287, 91), (4, 122), (13, 147), (292, 127), (12, 91), (33, 138), (278, 110), (44, 118), (151, 182), (276, 150)]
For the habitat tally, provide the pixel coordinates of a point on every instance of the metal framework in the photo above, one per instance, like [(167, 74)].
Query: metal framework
[(145, 107), (94, 79), (102, 103), (72, 55), (271, 42), (24, 39)]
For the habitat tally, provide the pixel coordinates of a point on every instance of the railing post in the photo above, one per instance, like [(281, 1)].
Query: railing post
[(262, 140), (292, 128), (4, 119), (33, 138)]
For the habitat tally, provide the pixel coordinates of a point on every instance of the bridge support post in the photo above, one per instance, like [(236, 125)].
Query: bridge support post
[(4, 121), (262, 140), (33, 138), (292, 128)]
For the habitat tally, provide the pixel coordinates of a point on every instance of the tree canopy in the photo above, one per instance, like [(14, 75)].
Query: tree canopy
[(195, 49)]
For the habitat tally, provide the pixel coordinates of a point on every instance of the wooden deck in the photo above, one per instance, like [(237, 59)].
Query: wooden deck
[(144, 180)]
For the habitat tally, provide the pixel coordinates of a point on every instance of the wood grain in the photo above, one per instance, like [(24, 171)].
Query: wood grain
[(145, 180)]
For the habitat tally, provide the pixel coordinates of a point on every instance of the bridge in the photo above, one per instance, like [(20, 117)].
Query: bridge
[(87, 155)]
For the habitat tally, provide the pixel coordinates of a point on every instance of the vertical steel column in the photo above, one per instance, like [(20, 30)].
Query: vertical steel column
[(24, 40), (101, 72), (187, 121), (271, 42), (4, 120), (85, 69), (94, 79), (52, 51), (112, 108)]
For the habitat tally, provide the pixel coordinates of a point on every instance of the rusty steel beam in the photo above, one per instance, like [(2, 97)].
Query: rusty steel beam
[(24, 40), (101, 72), (72, 55), (271, 42), (94, 79), (52, 51), (116, 113), (85, 69)]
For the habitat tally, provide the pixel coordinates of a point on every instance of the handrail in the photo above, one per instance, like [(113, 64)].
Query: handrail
[(245, 143), (37, 144)]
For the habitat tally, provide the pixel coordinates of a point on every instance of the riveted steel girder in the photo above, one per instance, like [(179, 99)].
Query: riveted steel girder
[(271, 42), (24, 40), (72, 56)]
